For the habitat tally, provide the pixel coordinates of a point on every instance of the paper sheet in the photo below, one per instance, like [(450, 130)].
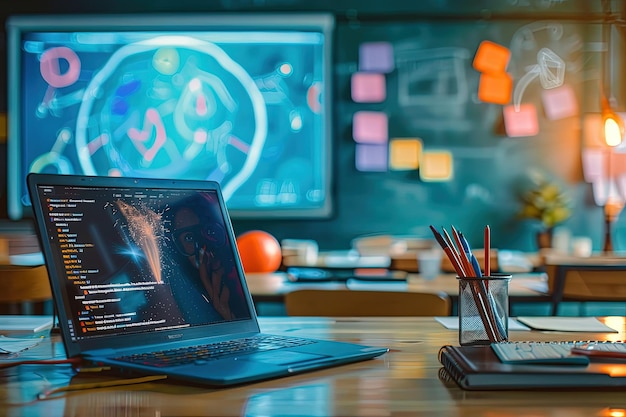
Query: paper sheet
[(566, 324)]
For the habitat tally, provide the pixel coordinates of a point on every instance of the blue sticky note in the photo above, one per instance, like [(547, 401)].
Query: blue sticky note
[(376, 56), (371, 158)]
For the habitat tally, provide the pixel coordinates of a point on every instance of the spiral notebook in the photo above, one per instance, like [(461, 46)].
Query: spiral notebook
[(478, 368)]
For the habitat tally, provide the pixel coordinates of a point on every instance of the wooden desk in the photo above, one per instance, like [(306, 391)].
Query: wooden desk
[(272, 287), (596, 278), (402, 382)]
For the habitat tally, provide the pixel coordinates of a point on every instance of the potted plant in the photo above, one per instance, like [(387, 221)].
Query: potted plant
[(547, 203)]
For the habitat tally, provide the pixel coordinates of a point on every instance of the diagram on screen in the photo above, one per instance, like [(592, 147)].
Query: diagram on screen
[(176, 106)]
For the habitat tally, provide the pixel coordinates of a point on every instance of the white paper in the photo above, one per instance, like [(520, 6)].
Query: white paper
[(566, 324), (23, 324)]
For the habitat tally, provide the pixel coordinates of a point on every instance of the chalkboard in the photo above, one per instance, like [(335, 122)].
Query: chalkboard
[(444, 112), (434, 44)]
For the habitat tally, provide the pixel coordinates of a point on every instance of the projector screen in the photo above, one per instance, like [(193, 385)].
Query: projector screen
[(240, 99)]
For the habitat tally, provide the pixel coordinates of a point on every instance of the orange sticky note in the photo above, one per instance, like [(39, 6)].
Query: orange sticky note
[(521, 122), (491, 58), (404, 154), (436, 166), (495, 88)]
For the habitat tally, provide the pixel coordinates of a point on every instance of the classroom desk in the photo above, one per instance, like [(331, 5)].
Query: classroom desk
[(402, 382), (272, 287)]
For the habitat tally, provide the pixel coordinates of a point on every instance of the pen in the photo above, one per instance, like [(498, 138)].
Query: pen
[(481, 303), (460, 259), (448, 251), (463, 253), (470, 255), (484, 287)]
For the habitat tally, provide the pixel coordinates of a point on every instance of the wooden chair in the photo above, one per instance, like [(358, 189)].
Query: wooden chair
[(346, 303), (23, 285)]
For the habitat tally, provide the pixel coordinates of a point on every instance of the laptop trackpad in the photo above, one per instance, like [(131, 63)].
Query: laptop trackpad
[(283, 357)]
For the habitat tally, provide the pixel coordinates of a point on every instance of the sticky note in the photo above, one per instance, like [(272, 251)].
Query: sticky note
[(592, 130), (600, 189), (620, 181), (371, 158), (368, 87), (594, 167), (618, 163), (491, 58), (376, 57), (370, 127), (436, 166), (495, 88), (560, 102), (404, 154), (521, 122)]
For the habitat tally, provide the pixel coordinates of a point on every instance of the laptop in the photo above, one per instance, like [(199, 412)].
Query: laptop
[(146, 277)]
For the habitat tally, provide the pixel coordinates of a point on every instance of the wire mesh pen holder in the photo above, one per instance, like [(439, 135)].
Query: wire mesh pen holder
[(483, 309)]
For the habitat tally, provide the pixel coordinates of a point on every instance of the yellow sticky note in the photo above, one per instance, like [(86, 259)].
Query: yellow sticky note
[(436, 166), (404, 154)]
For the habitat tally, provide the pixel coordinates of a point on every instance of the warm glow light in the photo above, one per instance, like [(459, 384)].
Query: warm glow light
[(612, 131)]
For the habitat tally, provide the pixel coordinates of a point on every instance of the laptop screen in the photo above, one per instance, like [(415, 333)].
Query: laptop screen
[(141, 260)]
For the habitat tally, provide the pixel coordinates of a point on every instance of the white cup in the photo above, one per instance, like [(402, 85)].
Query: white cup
[(582, 246), (429, 263)]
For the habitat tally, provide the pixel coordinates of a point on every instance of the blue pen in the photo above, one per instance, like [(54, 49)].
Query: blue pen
[(470, 255), (475, 265)]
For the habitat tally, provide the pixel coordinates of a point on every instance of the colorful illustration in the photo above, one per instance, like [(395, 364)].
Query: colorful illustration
[(206, 105)]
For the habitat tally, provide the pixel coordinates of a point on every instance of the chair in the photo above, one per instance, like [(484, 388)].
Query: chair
[(353, 303), (21, 285)]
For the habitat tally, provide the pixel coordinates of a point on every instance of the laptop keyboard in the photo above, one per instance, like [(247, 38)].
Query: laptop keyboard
[(212, 351)]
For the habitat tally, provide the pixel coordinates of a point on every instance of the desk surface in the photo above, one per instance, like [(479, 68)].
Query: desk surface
[(268, 287), (402, 382)]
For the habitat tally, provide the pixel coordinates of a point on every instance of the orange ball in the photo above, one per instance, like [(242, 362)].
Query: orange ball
[(259, 251)]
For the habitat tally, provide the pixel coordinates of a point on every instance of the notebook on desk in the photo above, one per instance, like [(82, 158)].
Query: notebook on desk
[(479, 368), (146, 277)]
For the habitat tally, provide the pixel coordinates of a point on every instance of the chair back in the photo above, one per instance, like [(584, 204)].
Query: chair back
[(24, 284), (353, 303)]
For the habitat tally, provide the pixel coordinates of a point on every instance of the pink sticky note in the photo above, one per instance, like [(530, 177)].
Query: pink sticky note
[(594, 165), (600, 190), (376, 56), (560, 102), (370, 127), (372, 158), (368, 87), (521, 122)]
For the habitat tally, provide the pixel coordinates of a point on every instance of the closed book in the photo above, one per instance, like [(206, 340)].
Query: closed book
[(478, 368)]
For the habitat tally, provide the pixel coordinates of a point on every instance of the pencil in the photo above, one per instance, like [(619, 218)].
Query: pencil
[(487, 251)]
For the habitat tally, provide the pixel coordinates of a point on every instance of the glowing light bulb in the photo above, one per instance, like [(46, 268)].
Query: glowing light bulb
[(612, 131)]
